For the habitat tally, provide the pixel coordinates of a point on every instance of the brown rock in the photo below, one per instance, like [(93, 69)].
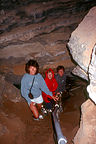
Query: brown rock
[(87, 131), (8, 91), (83, 40)]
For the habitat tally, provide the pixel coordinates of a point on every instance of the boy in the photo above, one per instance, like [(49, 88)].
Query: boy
[(61, 79)]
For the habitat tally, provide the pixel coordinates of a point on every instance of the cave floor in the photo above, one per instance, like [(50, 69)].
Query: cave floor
[(17, 125)]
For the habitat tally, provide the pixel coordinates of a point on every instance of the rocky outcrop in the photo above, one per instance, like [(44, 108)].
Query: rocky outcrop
[(92, 76), (87, 131), (83, 40), (11, 126), (8, 91), (82, 45)]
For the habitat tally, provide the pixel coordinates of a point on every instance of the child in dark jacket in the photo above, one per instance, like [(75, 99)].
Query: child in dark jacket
[(61, 79), (52, 86)]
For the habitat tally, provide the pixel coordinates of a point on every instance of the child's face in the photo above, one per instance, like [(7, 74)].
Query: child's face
[(32, 70), (61, 72), (49, 75)]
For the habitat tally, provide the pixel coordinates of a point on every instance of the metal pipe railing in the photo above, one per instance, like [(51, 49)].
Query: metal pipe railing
[(60, 138)]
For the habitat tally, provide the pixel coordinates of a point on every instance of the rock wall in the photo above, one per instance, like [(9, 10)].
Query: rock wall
[(83, 40), (8, 91), (87, 131), (82, 45), (38, 30), (92, 76), (83, 50)]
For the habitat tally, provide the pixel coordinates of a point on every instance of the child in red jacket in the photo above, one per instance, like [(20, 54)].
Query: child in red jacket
[(52, 85)]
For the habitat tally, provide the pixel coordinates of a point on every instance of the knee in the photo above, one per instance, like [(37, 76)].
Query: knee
[(31, 105)]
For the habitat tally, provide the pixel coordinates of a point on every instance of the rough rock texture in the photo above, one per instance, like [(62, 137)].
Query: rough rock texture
[(83, 49), (87, 131), (39, 30), (8, 91), (83, 40), (92, 76)]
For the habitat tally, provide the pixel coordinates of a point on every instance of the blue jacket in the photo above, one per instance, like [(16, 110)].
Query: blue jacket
[(39, 85)]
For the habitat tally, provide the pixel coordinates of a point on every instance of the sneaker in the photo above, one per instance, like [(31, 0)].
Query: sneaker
[(40, 116), (56, 105), (49, 110), (44, 111)]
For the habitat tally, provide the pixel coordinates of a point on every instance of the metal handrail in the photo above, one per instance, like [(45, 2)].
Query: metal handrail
[(60, 137)]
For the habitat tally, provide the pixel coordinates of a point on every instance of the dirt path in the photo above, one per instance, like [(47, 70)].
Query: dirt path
[(18, 127)]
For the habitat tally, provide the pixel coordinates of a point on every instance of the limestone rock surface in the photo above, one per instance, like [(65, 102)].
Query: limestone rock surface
[(83, 40), (8, 91), (82, 45), (87, 131)]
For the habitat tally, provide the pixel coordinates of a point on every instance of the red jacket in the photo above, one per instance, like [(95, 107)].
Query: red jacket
[(51, 84)]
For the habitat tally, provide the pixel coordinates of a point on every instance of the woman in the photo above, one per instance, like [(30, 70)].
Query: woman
[(34, 81)]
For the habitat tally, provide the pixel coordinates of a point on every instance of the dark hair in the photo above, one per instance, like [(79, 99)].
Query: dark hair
[(60, 67), (31, 63)]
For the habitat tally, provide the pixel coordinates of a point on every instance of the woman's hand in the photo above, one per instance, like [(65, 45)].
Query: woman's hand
[(58, 93), (55, 98)]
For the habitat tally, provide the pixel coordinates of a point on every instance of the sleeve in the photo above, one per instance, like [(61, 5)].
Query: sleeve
[(55, 85), (56, 77), (64, 80), (44, 87), (57, 89), (25, 90), (45, 97)]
